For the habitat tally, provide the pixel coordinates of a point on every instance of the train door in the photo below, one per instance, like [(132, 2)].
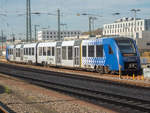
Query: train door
[(110, 57), (14, 53), (21, 53), (58, 56), (76, 56)]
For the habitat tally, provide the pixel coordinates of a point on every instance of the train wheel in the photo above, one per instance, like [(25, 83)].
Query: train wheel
[(107, 70), (100, 69)]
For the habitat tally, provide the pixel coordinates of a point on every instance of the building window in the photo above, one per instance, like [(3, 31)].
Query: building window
[(99, 50), (64, 56), (70, 53), (90, 51), (84, 51)]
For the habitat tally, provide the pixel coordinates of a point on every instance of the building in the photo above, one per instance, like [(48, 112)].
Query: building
[(53, 35), (127, 27)]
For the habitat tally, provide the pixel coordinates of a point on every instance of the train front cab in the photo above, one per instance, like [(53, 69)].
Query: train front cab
[(9, 53), (128, 52)]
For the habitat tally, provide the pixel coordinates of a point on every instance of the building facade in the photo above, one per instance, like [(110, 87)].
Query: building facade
[(138, 29), (127, 27), (53, 35)]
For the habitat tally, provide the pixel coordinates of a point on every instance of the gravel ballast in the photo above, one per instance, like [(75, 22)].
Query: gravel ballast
[(23, 97)]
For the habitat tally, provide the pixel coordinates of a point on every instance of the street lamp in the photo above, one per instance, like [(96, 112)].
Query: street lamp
[(35, 28), (135, 11)]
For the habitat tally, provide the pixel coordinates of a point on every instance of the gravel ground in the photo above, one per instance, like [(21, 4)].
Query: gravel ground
[(22, 97)]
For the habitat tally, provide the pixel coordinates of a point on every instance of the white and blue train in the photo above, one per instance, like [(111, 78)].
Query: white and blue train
[(104, 55)]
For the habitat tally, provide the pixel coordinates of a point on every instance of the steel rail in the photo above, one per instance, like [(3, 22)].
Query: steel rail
[(72, 76), (5, 109), (96, 96)]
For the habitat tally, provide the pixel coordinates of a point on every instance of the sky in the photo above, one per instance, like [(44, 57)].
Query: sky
[(14, 20)]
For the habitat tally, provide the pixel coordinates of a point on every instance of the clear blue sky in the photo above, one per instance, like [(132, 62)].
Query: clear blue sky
[(12, 23)]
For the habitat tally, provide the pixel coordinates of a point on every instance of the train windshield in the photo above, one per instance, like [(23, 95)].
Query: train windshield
[(126, 46)]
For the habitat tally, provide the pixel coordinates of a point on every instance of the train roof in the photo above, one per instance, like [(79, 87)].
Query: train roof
[(45, 44), (68, 43), (18, 46), (10, 46), (30, 45)]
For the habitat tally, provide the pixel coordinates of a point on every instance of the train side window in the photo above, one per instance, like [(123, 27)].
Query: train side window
[(99, 50), (110, 50), (40, 51), (70, 53), (8, 52), (32, 51), (64, 56), (26, 51), (12, 51), (18, 52), (49, 51), (90, 51), (53, 51), (44, 51), (84, 51)]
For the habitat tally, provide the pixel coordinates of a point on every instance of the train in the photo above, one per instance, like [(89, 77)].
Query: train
[(103, 55)]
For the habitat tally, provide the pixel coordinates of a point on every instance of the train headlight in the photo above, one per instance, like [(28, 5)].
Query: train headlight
[(132, 65)]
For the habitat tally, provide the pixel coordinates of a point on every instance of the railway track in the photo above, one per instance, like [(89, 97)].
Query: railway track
[(5, 109), (85, 88)]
